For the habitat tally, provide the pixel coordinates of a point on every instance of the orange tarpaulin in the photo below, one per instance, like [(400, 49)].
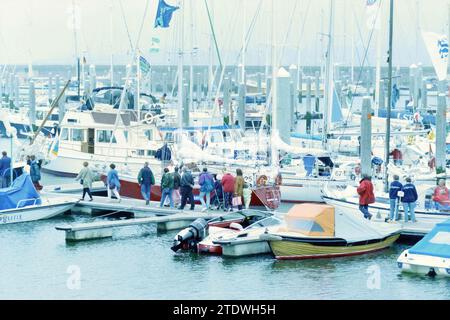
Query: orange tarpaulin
[(311, 220)]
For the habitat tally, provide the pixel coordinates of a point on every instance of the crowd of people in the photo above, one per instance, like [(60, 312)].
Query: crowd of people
[(177, 190)]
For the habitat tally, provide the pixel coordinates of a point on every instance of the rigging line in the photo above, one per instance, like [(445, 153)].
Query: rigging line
[(362, 65), (283, 47), (250, 30), (302, 30), (213, 33), (127, 80), (126, 25)]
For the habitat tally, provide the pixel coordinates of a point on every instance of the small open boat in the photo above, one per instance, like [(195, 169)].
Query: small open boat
[(22, 203), (431, 255), (234, 221), (318, 231), (247, 242)]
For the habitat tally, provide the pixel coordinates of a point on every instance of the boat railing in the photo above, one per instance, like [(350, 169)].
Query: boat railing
[(35, 200)]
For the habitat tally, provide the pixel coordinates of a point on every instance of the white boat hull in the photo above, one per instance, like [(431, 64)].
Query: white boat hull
[(423, 264), (47, 210), (245, 248)]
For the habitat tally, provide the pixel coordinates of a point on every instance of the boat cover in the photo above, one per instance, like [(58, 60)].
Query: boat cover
[(436, 243), (22, 189), (319, 220)]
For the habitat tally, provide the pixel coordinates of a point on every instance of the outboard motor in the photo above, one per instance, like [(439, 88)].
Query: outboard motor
[(188, 238)]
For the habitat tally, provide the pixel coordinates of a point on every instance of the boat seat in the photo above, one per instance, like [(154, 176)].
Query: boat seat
[(236, 226)]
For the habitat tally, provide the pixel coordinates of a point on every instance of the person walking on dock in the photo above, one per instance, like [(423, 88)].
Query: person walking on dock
[(366, 196), (113, 182), (206, 182), (5, 170), (176, 187), (146, 179), (394, 199), (166, 187), (409, 200), (86, 178), (228, 190), (35, 173), (239, 188), (186, 186), (397, 156)]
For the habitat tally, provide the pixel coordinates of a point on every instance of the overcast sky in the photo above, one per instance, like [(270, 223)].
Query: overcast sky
[(41, 30)]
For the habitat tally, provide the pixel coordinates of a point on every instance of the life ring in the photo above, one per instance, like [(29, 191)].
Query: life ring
[(149, 118), (262, 180)]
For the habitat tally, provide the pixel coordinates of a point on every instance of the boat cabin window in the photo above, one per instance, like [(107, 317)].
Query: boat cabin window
[(78, 135), (216, 137), (151, 153), (268, 222), (149, 134), (169, 136), (227, 136), (104, 136), (64, 136), (39, 115)]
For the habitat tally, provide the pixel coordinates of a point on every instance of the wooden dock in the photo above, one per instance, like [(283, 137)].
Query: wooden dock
[(165, 218)]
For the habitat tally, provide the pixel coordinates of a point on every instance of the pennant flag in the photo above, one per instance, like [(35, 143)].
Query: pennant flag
[(373, 13), (164, 14), (144, 65), (437, 46), (154, 47)]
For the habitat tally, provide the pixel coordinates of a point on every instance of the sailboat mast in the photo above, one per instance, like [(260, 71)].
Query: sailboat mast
[(180, 69), (329, 85), (389, 105)]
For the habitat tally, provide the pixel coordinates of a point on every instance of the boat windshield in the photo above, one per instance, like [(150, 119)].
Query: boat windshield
[(267, 222)]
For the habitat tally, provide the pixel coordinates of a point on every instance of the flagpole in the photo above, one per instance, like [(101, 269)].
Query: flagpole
[(388, 117)]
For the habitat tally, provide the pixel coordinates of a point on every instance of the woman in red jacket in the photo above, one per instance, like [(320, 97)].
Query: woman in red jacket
[(228, 190), (366, 196)]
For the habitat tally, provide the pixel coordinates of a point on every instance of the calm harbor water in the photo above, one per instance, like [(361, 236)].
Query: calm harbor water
[(37, 263)]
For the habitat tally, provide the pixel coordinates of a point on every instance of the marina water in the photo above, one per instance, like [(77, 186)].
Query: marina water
[(37, 263)]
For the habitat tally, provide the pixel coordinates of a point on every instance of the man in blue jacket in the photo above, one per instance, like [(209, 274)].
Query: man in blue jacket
[(394, 200), (409, 200), (5, 170)]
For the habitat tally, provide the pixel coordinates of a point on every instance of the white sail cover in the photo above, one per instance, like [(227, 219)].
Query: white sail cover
[(437, 46), (282, 146)]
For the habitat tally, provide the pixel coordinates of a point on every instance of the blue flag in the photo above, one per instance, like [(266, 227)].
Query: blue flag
[(164, 14)]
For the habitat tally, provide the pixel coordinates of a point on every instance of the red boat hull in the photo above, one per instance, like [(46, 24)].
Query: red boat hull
[(267, 196)]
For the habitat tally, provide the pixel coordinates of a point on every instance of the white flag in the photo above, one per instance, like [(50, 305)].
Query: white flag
[(437, 46)]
